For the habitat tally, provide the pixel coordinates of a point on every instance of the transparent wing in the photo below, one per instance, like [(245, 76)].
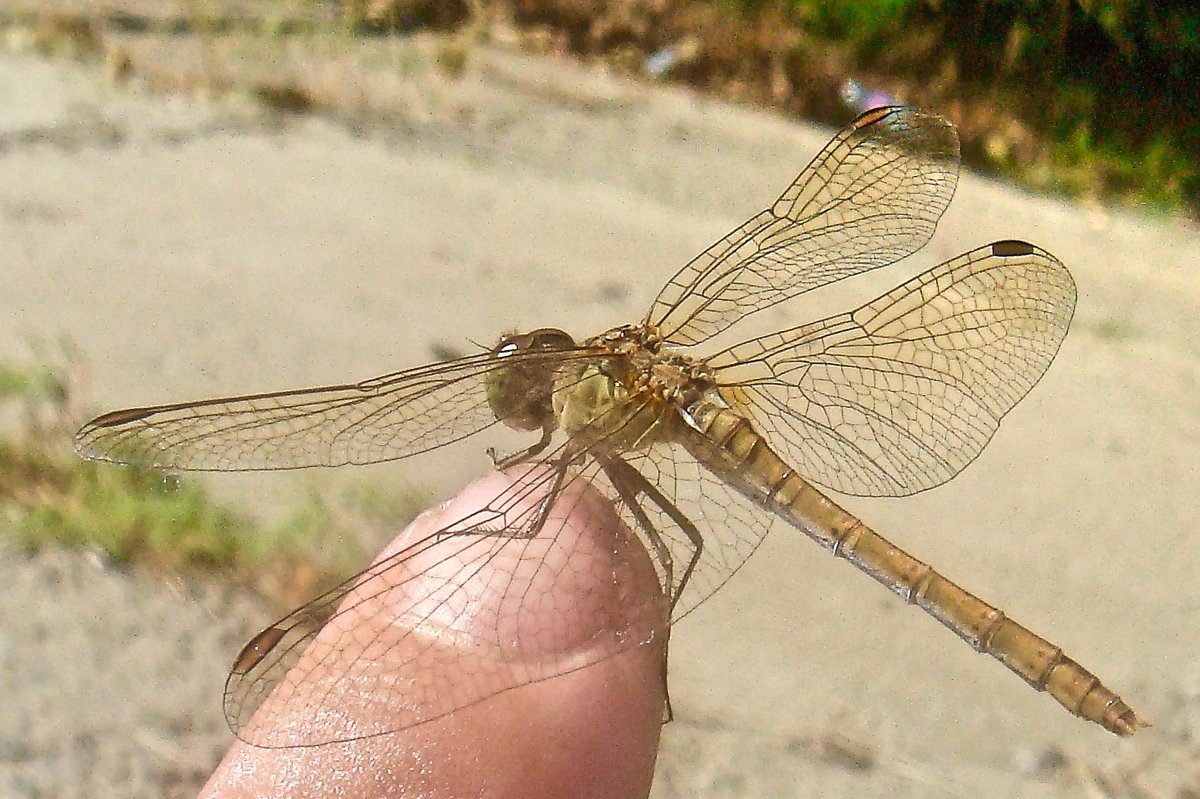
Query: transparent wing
[(870, 198), (382, 419), (334, 670), (901, 394), (691, 504), (497, 599)]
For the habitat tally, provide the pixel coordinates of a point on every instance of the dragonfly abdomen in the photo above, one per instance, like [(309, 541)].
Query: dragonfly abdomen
[(988, 629), (740, 455)]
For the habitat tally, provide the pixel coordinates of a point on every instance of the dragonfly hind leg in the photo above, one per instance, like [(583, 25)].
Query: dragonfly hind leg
[(629, 483)]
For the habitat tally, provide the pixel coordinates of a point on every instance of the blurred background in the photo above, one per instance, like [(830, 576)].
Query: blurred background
[(219, 197)]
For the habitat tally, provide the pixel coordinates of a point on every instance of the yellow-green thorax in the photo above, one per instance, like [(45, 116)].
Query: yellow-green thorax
[(633, 394)]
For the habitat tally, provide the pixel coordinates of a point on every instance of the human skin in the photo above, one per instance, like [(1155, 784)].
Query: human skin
[(590, 732)]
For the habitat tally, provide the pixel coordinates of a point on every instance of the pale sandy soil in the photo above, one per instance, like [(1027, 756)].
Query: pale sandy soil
[(192, 249)]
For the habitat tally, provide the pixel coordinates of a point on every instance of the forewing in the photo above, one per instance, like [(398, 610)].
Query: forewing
[(495, 600), (382, 419), (871, 197), (901, 394)]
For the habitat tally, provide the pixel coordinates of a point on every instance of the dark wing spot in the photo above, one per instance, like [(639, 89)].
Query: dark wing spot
[(258, 648), (1011, 247)]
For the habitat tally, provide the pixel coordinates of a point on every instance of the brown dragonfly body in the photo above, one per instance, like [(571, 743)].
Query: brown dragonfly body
[(889, 399), (764, 476)]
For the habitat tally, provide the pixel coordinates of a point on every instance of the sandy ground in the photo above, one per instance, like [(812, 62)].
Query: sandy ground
[(193, 249)]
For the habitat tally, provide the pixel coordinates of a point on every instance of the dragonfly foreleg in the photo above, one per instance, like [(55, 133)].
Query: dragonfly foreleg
[(512, 530), (520, 456)]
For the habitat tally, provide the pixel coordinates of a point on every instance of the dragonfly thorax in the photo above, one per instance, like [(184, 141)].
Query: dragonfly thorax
[(631, 394)]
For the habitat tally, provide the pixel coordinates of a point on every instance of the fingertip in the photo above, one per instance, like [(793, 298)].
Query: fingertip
[(576, 611)]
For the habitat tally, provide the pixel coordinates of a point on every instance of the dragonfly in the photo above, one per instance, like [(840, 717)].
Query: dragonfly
[(699, 454)]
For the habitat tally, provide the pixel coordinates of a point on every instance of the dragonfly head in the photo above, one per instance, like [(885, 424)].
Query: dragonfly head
[(521, 392)]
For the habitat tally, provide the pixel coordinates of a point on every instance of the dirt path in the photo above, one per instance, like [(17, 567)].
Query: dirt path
[(194, 249)]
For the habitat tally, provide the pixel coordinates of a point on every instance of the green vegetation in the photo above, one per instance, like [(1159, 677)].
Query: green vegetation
[(1112, 85), (1108, 88), (1093, 98), (49, 496), (864, 23)]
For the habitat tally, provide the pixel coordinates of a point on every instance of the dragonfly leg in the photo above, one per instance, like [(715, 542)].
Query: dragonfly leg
[(521, 455), (534, 528), (636, 483), (624, 479), (630, 483), (543, 511)]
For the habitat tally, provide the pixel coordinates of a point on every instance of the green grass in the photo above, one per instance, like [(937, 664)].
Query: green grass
[(1159, 176), (135, 515), (862, 23)]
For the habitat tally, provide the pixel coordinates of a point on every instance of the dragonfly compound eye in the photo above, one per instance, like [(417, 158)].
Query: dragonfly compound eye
[(520, 389)]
